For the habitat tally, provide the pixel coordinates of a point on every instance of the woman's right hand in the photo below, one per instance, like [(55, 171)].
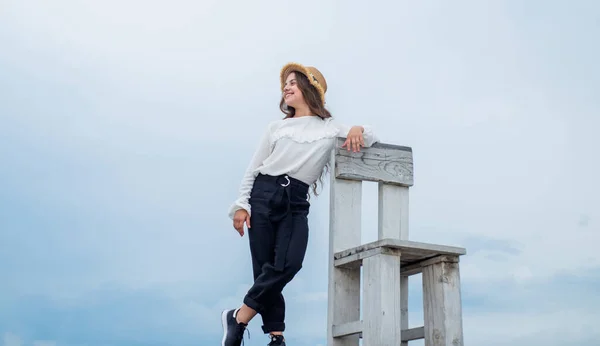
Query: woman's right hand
[(239, 218)]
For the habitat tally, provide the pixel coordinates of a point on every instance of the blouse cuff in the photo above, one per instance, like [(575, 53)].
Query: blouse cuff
[(237, 206), (369, 135)]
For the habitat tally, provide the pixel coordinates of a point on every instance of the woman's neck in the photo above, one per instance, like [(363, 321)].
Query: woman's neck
[(303, 111)]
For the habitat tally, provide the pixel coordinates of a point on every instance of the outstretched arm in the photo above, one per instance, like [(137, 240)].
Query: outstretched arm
[(356, 136)]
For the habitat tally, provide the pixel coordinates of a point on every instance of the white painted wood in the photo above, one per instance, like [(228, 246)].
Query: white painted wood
[(381, 300), (417, 267), (413, 334), (393, 212), (344, 233), (349, 328), (442, 304), (356, 328), (388, 262), (354, 261), (343, 303), (403, 306), (381, 163), (438, 259), (413, 253), (393, 223), (411, 269), (409, 249)]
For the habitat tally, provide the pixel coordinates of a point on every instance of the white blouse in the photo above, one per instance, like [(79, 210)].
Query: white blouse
[(299, 147)]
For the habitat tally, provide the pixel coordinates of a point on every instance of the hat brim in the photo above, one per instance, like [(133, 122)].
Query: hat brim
[(295, 67)]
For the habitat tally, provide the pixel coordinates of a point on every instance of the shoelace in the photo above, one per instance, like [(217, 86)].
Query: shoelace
[(240, 329)]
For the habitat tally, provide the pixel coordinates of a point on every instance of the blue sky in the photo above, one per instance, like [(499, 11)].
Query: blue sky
[(126, 127)]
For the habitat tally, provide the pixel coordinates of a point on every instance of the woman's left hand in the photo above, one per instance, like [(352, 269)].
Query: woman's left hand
[(355, 138)]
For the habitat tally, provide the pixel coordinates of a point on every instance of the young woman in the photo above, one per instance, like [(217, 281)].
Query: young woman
[(273, 201)]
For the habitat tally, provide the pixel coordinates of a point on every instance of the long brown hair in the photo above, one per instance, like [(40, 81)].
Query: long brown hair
[(311, 97), (316, 106)]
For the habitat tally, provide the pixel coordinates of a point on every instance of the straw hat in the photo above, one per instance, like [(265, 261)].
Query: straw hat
[(314, 77)]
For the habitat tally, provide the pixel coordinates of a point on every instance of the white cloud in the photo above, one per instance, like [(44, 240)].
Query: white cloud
[(139, 108), (11, 339), (527, 328), (522, 328)]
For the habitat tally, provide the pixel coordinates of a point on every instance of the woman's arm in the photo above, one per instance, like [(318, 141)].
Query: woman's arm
[(356, 136), (262, 152)]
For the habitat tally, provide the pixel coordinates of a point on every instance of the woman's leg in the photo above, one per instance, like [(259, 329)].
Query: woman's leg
[(271, 282), (278, 241), (245, 314), (262, 242), (262, 249)]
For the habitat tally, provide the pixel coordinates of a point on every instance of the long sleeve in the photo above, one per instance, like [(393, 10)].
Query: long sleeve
[(261, 153), (368, 134)]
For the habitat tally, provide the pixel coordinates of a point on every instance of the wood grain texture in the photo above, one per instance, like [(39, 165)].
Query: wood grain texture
[(417, 250), (381, 301), (417, 267), (349, 328), (438, 259), (392, 211), (442, 305), (356, 327), (411, 269), (344, 284), (393, 223), (403, 306), (413, 334), (381, 162), (355, 261), (387, 263)]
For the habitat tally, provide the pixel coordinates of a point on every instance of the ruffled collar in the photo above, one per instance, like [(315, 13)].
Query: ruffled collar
[(304, 130)]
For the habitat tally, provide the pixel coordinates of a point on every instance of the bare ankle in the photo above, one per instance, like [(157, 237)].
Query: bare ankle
[(245, 314), (238, 319)]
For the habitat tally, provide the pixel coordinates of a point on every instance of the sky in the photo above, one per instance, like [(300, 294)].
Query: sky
[(126, 127)]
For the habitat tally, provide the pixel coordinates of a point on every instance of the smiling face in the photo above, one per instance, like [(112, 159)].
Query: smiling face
[(299, 97), (292, 95)]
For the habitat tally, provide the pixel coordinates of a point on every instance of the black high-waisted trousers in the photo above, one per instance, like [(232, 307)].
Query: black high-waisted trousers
[(278, 239)]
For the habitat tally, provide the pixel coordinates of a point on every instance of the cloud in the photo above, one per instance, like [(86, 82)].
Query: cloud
[(11, 340), (127, 127), (533, 310)]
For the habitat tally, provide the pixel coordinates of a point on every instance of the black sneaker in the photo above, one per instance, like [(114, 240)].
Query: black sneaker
[(233, 332), (277, 340)]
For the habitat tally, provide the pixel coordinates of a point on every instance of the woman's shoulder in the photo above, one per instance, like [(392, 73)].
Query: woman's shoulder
[(273, 125), (303, 130)]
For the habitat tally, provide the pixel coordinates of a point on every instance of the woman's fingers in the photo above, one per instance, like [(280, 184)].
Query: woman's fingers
[(354, 142), (346, 143), (239, 226), (357, 142)]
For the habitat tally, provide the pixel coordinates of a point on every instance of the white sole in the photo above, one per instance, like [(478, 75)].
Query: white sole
[(224, 323)]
